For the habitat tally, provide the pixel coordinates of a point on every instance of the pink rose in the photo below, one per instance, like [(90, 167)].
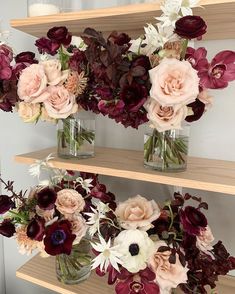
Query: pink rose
[(79, 227), (69, 201), (55, 75), (168, 275), (29, 112), (165, 118), (205, 98), (137, 212), (32, 83), (60, 103), (174, 82), (205, 239)]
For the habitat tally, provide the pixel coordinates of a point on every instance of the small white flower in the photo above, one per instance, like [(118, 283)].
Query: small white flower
[(79, 43), (187, 5), (44, 57), (107, 255), (36, 168), (86, 184), (171, 13)]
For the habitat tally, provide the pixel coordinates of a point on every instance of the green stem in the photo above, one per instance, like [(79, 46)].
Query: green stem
[(184, 49)]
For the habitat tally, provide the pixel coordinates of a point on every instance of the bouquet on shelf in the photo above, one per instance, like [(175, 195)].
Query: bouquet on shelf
[(145, 248)]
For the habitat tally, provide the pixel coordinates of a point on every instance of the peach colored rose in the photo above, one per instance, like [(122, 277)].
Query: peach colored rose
[(174, 82), (205, 239), (69, 201), (79, 227), (60, 103), (168, 275), (137, 212), (205, 98), (165, 118), (48, 215), (55, 75), (45, 117), (32, 83), (29, 112)]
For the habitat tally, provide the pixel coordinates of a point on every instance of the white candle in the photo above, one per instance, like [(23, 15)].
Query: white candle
[(38, 9)]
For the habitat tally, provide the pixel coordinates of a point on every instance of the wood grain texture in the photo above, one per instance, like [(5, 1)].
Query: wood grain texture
[(41, 271), (219, 15), (203, 174)]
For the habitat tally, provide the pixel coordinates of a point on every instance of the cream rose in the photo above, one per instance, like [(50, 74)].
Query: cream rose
[(60, 103), (45, 117), (32, 84), (137, 212), (205, 98), (174, 82), (55, 75), (79, 227), (165, 118), (29, 112), (168, 275), (69, 202), (205, 239)]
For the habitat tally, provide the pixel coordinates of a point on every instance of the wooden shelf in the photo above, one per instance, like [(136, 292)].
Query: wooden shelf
[(219, 14), (203, 174), (41, 271)]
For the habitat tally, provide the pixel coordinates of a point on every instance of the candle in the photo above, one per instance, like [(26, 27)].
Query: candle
[(38, 9)]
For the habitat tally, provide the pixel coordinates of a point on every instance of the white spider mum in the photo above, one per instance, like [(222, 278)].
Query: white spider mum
[(107, 255)]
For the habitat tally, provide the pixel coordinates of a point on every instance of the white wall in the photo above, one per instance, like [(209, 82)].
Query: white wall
[(212, 137)]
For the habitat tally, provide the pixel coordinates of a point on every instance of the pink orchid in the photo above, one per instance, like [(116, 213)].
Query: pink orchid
[(197, 57), (142, 283)]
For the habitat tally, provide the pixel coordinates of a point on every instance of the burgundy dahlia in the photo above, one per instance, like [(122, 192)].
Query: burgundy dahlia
[(59, 238), (36, 229), (5, 204), (7, 229), (46, 198), (192, 220), (198, 109), (47, 46), (190, 27), (26, 57), (60, 35)]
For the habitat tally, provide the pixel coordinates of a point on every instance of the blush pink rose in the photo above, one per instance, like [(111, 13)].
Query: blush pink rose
[(205, 98), (55, 75), (174, 82), (165, 118), (69, 202), (79, 227), (205, 239), (60, 103), (32, 84), (168, 275), (137, 213)]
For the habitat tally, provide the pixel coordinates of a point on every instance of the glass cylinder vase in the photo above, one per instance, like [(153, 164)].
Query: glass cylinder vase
[(76, 136), (167, 151), (74, 268)]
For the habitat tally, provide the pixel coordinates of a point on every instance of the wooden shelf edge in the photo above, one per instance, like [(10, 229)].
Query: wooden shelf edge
[(201, 174)]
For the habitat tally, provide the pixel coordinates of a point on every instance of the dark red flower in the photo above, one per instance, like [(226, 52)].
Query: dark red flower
[(112, 274), (59, 238), (7, 52), (112, 108), (77, 61), (47, 46), (5, 68), (190, 27), (134, 96), (5, 204), (60, 35), (8, 94), (26, 57), (219, 72), (36, 229), (17, 69), (46, 198), (192, 220), (7, 229), (119, 39), (198, 108), (197, 57)]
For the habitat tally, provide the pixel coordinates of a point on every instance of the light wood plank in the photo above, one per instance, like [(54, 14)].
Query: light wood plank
[(219, 15), (41, 271), (203, 174)]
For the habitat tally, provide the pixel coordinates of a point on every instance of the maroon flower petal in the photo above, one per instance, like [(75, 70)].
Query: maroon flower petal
[(7, 229), (36, 229), (5, 204)]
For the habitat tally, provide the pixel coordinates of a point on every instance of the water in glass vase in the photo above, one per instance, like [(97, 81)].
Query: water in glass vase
[(166, 151), (74, 268), (76, 137)]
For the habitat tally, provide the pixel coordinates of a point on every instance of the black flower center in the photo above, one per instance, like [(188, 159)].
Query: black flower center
[(134, 249), (58, 237)]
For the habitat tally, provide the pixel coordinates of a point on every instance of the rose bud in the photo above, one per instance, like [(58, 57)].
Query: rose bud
[(60, 35), (26, 57), (46, 198), (5, 204), (7, 229), (190, 27), (192, 220), (36, 229)]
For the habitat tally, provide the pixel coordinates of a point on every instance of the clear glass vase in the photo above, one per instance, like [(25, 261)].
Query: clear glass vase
[(168, 150), (76, 136), (74, 268)]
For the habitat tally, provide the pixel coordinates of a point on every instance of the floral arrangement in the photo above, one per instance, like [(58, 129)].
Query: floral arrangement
[(145, 248)]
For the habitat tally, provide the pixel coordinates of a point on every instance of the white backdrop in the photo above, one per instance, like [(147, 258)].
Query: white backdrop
[(213, 137)]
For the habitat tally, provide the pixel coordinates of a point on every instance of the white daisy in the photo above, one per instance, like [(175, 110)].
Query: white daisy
[(86, 184), (107, 255)]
